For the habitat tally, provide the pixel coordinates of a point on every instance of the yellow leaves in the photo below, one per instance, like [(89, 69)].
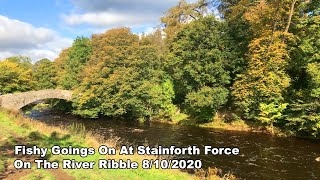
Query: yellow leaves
[(180, 15), (85, 98), (265, 78), (119, 37), (264, 16), (255, 15), (5, 64), (14, 78), (270, 50)]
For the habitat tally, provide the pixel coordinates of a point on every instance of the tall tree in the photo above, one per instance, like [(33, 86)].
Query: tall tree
[(183, 13), (201, 59), (266, 78), (71, 63), (123, 78), (44, 74), (304, 95)]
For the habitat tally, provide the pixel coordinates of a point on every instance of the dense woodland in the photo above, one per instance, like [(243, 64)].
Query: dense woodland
[(256, 60)]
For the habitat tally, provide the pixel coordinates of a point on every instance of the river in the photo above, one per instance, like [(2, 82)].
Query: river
[(262, 156)]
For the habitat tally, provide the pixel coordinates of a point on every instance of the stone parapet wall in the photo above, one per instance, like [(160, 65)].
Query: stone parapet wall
[(18, 100)]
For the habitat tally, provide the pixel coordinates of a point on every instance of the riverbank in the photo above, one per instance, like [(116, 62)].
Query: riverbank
[(223, 123), (16, 129)]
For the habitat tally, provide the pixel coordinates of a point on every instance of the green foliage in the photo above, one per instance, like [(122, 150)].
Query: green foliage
[(303, 115), (304, 118), (160, 99), (270, 113), (22, 61), (205, 102), (44, 74), (306, 47), (180, 15), (265, 79), (313, 70), (233, 12), (124, 78), (201, 57), (259, 57), (71, 63), (15, 77)]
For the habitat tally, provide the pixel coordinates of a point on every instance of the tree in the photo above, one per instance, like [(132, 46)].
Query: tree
[(123, 78), (71, 63), (233, 11), (303, 114), (14, 77), (205, 102), (270, 113), (44, 74), (303, 117), (22, 61), (180, 15), (157, 40), (201, 59), (265, 79), (250, 19)]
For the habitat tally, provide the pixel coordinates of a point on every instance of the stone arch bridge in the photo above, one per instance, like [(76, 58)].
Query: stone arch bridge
[(17, 101)]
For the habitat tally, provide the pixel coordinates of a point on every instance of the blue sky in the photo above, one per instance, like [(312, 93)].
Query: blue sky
[(42, 28)]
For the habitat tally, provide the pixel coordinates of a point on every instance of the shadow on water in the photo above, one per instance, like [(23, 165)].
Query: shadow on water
[(261, 156)]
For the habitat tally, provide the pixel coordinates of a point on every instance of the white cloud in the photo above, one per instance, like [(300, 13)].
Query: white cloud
[(14, 33), (124, 5), (104, 19), (20, 38), (109, 13)]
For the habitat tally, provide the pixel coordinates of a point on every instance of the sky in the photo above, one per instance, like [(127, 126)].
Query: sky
[(42, 28)]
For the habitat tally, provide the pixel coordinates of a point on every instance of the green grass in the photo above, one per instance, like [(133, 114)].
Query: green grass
[(16, 129), (2, 161), (177, 118), (37, 175)]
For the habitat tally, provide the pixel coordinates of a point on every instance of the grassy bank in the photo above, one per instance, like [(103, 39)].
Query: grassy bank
[(16, 129)]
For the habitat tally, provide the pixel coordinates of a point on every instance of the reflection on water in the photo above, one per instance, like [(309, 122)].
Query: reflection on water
[(262, 156)]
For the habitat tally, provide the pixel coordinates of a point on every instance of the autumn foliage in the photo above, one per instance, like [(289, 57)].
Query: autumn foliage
[(256, 60)]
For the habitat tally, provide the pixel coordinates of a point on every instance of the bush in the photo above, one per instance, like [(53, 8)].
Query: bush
[(204, 103)]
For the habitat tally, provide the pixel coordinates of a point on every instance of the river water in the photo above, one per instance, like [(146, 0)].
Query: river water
[(262, 156)]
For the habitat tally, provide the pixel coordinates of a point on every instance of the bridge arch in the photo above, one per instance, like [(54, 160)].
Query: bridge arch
[(17, 101)]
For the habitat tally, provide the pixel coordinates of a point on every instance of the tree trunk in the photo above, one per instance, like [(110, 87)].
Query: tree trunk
[(290, 15)]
